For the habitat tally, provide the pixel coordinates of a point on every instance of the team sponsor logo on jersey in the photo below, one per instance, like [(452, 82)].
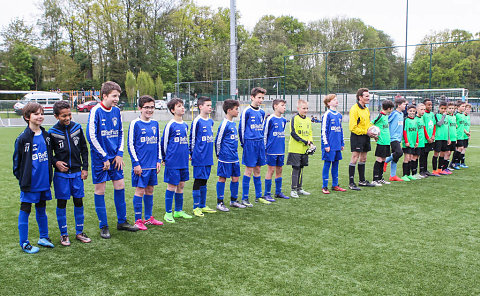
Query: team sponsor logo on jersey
[(412, 129), (234, 137), (279, 134), (181, 140), (336, 129), (114, 120), (41, 157), (208, 139), (149, 140), (257, 127), (109, 134)]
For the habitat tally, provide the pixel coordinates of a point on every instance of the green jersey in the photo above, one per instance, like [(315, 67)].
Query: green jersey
[(382, 123), (410, 132), (461, 126), (429, 120), (422, 140), (467, 124), (441, 133), (452, 128)]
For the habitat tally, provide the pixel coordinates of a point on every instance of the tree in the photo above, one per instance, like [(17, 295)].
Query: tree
[(145, 84), (17, 75), (130, 86), (159, 87)]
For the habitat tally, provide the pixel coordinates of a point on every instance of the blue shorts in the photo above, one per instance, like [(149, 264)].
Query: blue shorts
[(67, 185), (35, 197), (148, 178), (332, 155), (175, 176), (100, 176), (253, 153), (202, 172), (275, 160), (228, 169)]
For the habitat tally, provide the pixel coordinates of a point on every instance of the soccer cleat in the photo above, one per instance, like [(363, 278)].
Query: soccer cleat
[(395, 178), (447, 172), (338, 188), (198, 212), (139, 224), (207, 210), (412, 178), (83, 238), (365, 183), (262, 200), (105, 232), (29, 249), (464, 166), (353, 186), (294, 194), (235, 204), (152, 221), (325, 190), (405, 178), (269, 198), (222, 208), (383, 182), (126, 226), (385, 165), (45, 242), (64, 240), (376, 183), (435, 173), (281, 195), (418, 176), (246, 203), (423, 175), (168, 217), (181, 214), (443, 172), (303, 192)]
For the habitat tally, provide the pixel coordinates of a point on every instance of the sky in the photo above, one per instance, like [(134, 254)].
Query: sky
[(425, 16)]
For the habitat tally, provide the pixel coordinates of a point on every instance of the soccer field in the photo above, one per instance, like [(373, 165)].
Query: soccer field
[(409, 238)]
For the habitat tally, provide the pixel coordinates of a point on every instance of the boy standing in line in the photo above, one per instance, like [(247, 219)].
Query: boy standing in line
[(201, 151), (410, 143), (395, 126), (429, 122), (105, 135), (71, 168), (461, 135), (441, 140), (452, 136), (423, 139), (383, 143), (468, 109)]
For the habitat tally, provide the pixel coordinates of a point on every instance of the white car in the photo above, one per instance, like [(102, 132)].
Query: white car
[(160, 104), (44, 98)]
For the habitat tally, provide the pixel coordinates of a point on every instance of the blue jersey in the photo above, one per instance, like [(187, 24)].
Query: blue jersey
[(332, 131), (201, 141), (251, 124), (144, 144), (174, 145), (105, 134), (226, 142), (395, 125), (274, 135), (40, 175)]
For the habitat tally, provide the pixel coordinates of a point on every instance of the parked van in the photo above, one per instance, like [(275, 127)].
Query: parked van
[(46, 99)]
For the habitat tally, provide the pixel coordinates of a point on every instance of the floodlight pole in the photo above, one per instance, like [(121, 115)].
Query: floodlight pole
[(430, 70), (233, 51), (178, 75), (284, 75), (406, 46)]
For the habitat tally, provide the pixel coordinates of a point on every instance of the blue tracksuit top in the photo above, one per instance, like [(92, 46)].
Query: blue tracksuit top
[(144, 144), (395, 125), (226, 142), (201, 141), (332, 131), (274, 135), (250, 126)]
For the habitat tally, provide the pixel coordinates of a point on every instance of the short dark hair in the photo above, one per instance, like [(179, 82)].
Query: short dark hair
[(202, 100), (276, 102), (230, 104), (399, 101), (108, 87), (59, 106), (257, 90), (30, 108), (387, 104), (411, 107), (451, 104), (442, 103), (426, 100), (144, 99), (172, 103), (460, 103), (360, 92)]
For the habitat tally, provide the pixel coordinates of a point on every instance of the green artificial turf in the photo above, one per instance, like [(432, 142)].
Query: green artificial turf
[(415, 238)]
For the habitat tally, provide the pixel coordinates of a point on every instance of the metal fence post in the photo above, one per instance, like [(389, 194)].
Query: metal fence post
[(430, 71)]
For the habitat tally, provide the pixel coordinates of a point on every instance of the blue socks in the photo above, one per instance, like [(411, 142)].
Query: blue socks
[(245, 187), (393, 169), (120, 205), (268, 186), (203, 196), (137, 207), (233, 190), (178, 202), (257, 183), (335, 173), (388, 159), (148, 202), (62, 220), (221, 190), (79, 218), (42, 221), (196, 198), (326, 173), (169, 200), (278, 185), (101, 210), (23, 226)]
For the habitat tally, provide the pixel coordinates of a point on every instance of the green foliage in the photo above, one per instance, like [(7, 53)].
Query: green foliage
[(145, 84), (130, 86), (17, 73), (159, 87)]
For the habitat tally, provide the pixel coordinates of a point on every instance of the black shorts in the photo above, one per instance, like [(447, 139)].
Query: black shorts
[(452, 145), (429, 147), (418, 150), (408, 150), (359, 143), (440, 146), (297, 159), (460, 143), (382, 151), (465, 143)]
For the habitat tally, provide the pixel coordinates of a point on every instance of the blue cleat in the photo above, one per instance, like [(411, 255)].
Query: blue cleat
[(281, 195), (462, 165), (29, 249), (45, 242), (269, 198)]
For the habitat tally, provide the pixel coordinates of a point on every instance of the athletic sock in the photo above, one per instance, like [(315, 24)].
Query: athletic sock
[(393, 169), (278, 185), (169, 200), (62, 220), (220, 191), (257, 183), (101, 210), (335, 173), (137, 207), (377, 168), (295, 177), (79, 214), (178, 202), (196, 198), (23, 226), (406, 169), (120, 205), (351, 173), (390, 158), (42, 221), (203, 196), (233, 191), (268, 187), (462, 158), (413, 167), (326, 173), (434, 162), (148, 205), (245, 187), (361, 171)]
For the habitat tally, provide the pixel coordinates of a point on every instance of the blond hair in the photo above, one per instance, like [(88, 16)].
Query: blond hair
[(328, 98)]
